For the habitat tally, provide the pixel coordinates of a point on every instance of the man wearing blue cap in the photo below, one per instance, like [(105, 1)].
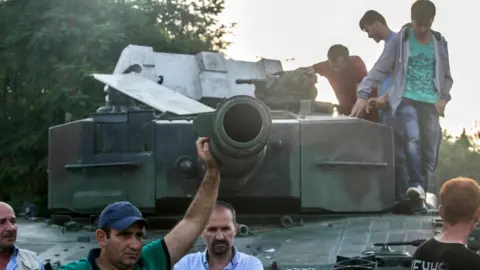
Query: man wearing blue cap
[(121, 229)]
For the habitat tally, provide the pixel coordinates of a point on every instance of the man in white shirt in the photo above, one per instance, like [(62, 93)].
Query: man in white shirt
[(220, 253)]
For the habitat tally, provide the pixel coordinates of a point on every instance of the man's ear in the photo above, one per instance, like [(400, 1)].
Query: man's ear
[(441, 211), (477, 216), (101, 237), (235, 229)]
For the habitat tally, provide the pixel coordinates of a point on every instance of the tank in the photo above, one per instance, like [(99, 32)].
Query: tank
[(312, 190), (140, 146)]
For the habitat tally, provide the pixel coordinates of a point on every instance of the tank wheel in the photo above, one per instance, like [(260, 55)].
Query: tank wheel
[(243, 230), (286, 221)]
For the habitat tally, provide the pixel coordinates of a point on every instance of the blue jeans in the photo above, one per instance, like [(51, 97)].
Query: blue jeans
[(401, 169), (420, 122)]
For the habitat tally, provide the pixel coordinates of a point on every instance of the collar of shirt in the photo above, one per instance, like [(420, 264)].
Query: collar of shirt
[(233, 261), (12, 264), (13, 258), (389, 36), (95, 253)]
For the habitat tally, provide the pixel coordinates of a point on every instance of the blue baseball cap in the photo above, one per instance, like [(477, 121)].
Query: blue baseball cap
[(119, 216)]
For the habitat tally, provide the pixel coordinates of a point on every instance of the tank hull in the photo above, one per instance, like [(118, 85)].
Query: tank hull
[(312, 163)]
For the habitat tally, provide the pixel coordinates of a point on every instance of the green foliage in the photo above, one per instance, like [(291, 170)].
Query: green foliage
[(458, 157), (48, 49)]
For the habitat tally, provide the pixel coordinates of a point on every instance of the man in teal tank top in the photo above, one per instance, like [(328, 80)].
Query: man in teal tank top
[(417, 111), (419, 85)]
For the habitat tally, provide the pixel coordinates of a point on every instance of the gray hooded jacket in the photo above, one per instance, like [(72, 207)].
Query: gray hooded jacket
[(394, 59)]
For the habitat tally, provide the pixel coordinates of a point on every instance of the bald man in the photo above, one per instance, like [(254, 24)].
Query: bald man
[(12, 257)]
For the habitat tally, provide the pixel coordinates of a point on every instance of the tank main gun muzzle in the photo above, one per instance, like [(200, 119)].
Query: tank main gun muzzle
[(239, 131)]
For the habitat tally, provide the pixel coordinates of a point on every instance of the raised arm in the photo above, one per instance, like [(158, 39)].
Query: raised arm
[(182, 237)]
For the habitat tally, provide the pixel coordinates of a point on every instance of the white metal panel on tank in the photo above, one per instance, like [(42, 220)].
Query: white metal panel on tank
[(204, 75), (153, 94)]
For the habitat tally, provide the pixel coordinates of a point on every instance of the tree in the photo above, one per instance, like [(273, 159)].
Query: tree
[(456, 159), (48, 49), (463, 140)]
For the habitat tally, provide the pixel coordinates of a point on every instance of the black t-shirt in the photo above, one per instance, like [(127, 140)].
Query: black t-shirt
[(435, 255)]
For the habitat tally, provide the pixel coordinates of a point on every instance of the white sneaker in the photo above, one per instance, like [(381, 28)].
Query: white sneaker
[(416, 193)]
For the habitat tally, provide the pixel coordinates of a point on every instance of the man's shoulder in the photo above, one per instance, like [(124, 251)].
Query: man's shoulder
[(426, 244), (193, 256), (249, 259), (190, 260), (26, 252), (81, 264), (154, 247), (355, 58), (29, 257)]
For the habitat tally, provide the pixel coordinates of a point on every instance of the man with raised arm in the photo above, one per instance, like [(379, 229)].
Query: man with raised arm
[(121, 229), (418, 94)]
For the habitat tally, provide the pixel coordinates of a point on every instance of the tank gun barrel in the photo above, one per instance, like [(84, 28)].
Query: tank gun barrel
[(250, 81), (239, 132), (414, 243), (240, 81)]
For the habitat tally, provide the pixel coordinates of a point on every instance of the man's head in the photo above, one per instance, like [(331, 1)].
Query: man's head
[(460, 202), (8, 227), (221, 229), (338, 57), (422, 15), (374, 24), (120, 233)]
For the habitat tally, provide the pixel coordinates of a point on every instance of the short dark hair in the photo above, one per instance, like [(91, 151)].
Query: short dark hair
[(337, 51), (227, 206), (370, 17), (422, 11)]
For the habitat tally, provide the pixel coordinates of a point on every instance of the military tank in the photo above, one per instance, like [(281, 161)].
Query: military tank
[(312, 190)]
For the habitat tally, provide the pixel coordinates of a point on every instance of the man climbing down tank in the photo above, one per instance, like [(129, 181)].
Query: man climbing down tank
[(419, 93), (344, 72), (375, 25)]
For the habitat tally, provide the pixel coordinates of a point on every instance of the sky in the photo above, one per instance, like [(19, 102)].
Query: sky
[(280, 29)]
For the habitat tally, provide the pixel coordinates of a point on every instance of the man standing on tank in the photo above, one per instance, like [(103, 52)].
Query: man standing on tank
[(375, 25), (121, 228), (419, 91), (344, 72)]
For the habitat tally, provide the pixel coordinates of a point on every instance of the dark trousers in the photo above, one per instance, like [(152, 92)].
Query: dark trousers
[(421, 139)]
